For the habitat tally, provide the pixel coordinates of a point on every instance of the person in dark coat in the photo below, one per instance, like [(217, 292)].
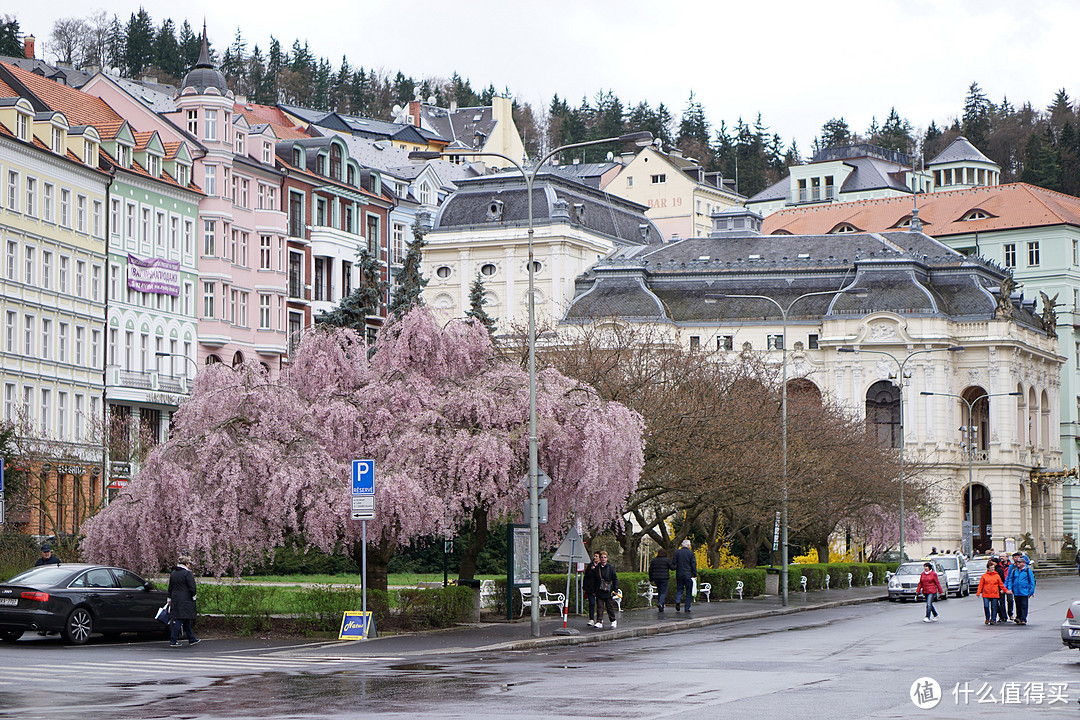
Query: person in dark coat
[(685, 571), (1005, 600), (1021, 583), (182, 601), (47, 558), (608, 585), (590, 583), (660, 576)]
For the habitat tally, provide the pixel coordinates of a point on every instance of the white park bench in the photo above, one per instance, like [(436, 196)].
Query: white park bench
[(544, 599), (737, 589), (487, 593), (705, 589)]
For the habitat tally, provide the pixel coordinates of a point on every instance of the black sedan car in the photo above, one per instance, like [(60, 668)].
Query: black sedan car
[(77, 600)]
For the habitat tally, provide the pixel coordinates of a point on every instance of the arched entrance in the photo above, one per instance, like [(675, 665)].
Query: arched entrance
[(982, 527), (883, 413)]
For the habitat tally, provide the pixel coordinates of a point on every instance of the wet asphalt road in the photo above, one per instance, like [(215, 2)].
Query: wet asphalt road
[(848, 662)]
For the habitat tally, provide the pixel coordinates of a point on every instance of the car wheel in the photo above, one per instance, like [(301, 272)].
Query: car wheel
[(79, 625), (10, 635)]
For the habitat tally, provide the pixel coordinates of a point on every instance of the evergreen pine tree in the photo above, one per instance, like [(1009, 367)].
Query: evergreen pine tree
[(354, 308), (138, 43), (477, 300), (189, 46), (10, 37), (409, 283), (167, 50), (116, 44), (977, 110)]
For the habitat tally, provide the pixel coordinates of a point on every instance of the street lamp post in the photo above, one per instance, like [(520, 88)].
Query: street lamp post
[(639, 138), (783, 414), (970, 549), (167, 354), (900, 365)]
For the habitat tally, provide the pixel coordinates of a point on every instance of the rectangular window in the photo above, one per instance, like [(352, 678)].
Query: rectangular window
[(397, 242), (240, 143), (320, 212), (95, 283), (346, 278), (80, 420), (10, 322), (62, 278), (46, 410), (243, 249), (1033, 253), (65, 207), (193, 122), (9, 402), (13, 191), (320, 274), (242, 321), (232, 306), (11, 259), (28, 266), (208, 300), (211, 124), (27, 402), (153, 165), (262, 196), (1076, 252), (271, 197), (47, 209), (264, 312), (80, 279), (129, 224), (22, 127), (31, 197), (146, 227), (209, 236), (46, 332), (80, 336), (189, 236), (159, 230), (243, 192), (659, 179), (99, 212), (695, 343), (61, 415), (174, 235), (210, 184), (774, 342), (46, 269), (264, 252), (812, 342), (80, 213), (62, 342), (373, 234), (1010, 255), (296, 214)]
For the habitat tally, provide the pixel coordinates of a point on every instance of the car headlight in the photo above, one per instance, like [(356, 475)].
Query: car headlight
[(894, 584)]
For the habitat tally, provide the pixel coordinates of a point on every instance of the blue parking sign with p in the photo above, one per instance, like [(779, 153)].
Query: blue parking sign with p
[(363, 477)]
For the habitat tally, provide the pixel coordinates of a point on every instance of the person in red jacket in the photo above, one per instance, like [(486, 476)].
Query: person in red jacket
[(930, 586), (991, 590)]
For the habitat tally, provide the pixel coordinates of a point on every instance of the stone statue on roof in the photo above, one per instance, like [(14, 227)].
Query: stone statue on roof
[(1004, 307), (1049, 315)]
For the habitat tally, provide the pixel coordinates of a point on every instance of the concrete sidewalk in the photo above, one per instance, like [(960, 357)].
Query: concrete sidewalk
[(631, 623)]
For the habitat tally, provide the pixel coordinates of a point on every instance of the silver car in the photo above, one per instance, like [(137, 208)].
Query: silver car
[(956, 572), (1070, 629), (978, 564), (903, 582)]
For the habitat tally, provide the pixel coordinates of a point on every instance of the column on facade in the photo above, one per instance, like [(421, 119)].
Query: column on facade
[(467, 275), (511, 302)]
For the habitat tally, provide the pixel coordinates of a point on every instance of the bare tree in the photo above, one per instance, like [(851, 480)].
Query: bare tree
[(68, 40)]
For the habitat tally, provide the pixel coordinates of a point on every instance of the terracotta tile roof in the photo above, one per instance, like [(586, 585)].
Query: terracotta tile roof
[(171, 148), (77, 106), (5, 90), (1017, 205), (142, 138), (268, 114)]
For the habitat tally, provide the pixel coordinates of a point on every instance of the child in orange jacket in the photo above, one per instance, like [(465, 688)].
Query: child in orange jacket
[(990, 589)]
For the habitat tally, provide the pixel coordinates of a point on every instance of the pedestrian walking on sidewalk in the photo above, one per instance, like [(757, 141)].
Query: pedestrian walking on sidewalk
[(1005, 602), (589, 585), (930, 586), (608, 585), (182, 601), (991, 588), (685, 571), (1077, 561), (660, 576), (1021, 583)]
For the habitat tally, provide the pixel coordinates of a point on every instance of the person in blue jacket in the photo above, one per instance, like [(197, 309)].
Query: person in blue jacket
[(1021, 583)]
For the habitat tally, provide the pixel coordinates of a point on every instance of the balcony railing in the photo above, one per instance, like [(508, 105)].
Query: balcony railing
[(825, 193), (128, 378), (170, 383)]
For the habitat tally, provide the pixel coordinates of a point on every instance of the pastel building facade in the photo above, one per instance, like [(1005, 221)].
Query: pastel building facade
[(921, 296), (52, 293)]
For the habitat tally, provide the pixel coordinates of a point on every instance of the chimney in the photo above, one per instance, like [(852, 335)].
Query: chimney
[(414, 112), (453, 106), (28, 47)]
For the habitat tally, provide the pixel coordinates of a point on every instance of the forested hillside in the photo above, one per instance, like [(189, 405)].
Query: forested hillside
[(1032, 144)]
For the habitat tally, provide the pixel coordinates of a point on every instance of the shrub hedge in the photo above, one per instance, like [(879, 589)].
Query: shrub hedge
[(815, 575)]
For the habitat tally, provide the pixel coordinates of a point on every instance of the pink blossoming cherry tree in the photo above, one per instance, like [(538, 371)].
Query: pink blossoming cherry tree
[(251, 460)]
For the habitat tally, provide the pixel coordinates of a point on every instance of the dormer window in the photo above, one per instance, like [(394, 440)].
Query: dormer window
[(351, 176), (153, 165), (123, 155), (22, 127), (297, 157), (335, 162), (904, 222), (240, 143), (320, 165), (90, 154), (845, 228), (425, 193), (976, 215), (58, 141), (268, 153), (183, 174)]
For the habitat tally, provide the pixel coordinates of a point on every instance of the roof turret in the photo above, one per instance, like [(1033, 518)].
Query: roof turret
[(205, 75)]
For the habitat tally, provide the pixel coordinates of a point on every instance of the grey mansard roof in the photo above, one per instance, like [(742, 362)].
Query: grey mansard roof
[(555, 199), (960, 150), (908, 273)]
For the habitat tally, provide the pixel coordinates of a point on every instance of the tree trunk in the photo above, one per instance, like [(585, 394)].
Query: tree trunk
[(751, 545), (630, 543), (822, 545), (378, 561), (477, 539)]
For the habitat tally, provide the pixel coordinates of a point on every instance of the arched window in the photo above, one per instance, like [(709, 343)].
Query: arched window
[(237, 359), (803, 391), (975, 430), (1044, 421), (1033, 414), (211, 359), (335, 162), (883, 413), (1021, 415)]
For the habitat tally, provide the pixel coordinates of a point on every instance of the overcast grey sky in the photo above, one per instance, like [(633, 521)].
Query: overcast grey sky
[(798, 63)]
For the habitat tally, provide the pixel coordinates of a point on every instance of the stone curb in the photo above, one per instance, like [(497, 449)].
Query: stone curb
[(667, 627)]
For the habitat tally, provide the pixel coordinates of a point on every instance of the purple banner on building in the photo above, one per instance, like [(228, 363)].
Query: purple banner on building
[(153, 276)]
